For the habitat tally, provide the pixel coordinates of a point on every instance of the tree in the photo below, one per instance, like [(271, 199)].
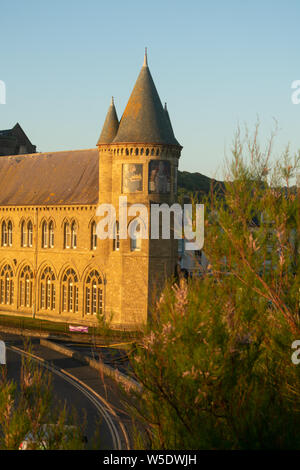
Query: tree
[(215, 361)]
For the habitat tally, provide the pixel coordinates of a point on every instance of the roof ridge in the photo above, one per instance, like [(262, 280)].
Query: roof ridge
[(36, 154)]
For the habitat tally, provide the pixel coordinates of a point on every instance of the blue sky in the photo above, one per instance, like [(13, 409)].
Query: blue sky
[(216, 63)]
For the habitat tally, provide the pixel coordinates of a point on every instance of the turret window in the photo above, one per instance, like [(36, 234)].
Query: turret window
[(135, 233), (116, 239)]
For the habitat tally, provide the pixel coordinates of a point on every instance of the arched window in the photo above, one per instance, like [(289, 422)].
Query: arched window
[(70, 291), (74, 235), (67, 235), (44, 235), (4, 234), (26, 287), (116, 239), (93, 236), (47, 289), (6, 285), (9, 233), (30, 233), (23, 234), (51, 234), (135, 232), (94, 294)]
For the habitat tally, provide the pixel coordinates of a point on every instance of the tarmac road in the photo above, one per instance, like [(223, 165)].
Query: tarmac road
[(81, 388)]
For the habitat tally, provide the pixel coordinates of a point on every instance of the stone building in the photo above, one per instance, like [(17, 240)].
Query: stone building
[(52, 264), (15, 142)]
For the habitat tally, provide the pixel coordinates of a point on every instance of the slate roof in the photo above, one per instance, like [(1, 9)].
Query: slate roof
[(110, 127), (144, 119), (57, 178)]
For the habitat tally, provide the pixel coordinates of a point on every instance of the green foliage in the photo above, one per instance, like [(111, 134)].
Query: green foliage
[(29, 407), (215, 363)]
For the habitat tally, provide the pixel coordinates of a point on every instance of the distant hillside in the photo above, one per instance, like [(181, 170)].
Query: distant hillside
[(198, 183), (195, 182)]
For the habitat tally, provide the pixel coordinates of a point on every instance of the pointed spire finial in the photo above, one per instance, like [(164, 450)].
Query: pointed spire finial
[(110, 126), (145, 58)]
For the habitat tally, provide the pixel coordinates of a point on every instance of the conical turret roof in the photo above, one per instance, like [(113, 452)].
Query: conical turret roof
[(144, 119), (110, 127), (168, 120)]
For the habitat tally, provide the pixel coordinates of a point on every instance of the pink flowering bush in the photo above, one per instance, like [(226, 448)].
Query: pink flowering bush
[(215, 362)]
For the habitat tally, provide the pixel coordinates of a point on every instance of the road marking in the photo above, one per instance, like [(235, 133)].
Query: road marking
[(104, 409)]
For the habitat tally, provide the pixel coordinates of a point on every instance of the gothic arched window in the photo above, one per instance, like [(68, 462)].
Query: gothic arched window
[(6, 285), (26, 287), (93, 294), (47, 289), (9, 233), (70, 291), (4, 234), (51, 234), (135, 232), (67, 235), (30, 234), (23, 234), (44, 235), (74, 235)]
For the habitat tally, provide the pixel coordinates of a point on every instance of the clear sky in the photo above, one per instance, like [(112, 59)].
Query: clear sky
[(216, 63)]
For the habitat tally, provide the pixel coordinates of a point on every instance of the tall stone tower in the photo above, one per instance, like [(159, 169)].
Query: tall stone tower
[(138, 160)]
